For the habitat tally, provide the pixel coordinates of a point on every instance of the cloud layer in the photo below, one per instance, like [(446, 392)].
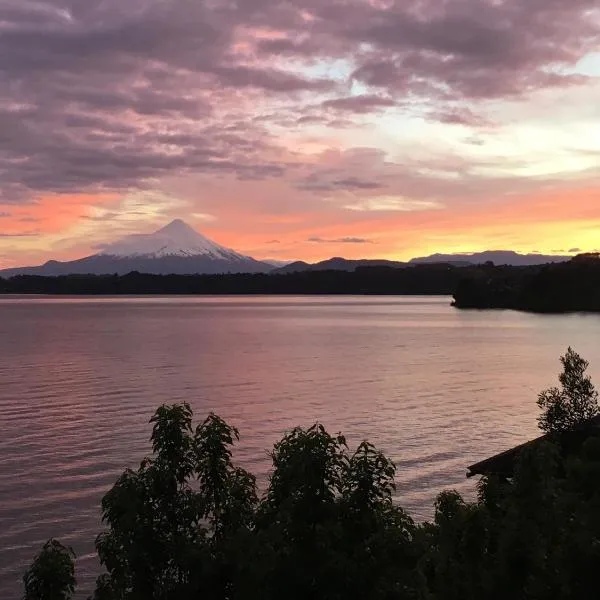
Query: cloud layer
[(313, 116)]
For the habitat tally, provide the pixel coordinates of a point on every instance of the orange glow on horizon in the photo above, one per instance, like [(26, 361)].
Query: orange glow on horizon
[(553, 222)]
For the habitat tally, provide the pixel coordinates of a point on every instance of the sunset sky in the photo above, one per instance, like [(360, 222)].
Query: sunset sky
[(302, 129)]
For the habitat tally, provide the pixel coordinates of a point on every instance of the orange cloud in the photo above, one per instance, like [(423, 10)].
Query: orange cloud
[(52, 213), (29, 233), (542, 221)]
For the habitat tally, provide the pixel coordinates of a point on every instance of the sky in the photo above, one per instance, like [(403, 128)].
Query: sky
[(300, 129)]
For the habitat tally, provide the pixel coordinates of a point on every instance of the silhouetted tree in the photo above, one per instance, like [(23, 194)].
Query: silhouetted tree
[(52, 574), (562, 287), (574, 402), (379, 538), (164, 528), (188, 523)]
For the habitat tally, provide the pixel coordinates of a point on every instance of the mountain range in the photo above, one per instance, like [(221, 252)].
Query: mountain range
[(498, 257), (338, 264), (179, 249)]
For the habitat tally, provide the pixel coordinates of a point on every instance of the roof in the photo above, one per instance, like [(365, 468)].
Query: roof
[(503, 464)]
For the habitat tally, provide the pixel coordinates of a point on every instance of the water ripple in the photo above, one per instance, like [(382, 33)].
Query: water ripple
[(436, 389)]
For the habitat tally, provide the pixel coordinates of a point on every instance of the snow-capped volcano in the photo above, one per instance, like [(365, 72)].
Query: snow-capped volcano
[(175, 239), (177, 248)]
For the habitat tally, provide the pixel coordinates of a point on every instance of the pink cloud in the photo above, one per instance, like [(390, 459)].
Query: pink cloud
[(279, 116)]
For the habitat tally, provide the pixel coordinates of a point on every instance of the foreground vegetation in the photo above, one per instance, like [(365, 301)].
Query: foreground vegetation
[(189, 523)]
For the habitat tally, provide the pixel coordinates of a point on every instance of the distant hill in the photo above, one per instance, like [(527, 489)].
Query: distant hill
[(338, 264), (498, 257), (277, 263), (571, 286), (559, 287), (177, 248)]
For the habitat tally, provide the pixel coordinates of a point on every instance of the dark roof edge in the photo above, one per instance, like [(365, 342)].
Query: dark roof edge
[(481, 467)]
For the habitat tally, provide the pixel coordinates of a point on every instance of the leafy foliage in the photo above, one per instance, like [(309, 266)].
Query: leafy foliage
[(416, 279), (52, 573), (572, 286), (576, 401), (167, 519), (188, 523)]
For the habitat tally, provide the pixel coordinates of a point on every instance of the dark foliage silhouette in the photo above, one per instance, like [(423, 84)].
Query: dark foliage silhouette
[(52, 574), (554, 288), (188, 523), (560, 287), (418, 279), (574, 403)]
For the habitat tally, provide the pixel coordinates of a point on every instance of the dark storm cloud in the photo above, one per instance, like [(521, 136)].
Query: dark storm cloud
[(359, 104), (343, 240), (322, 181), (473, 48), (59, 151), (355, 171), (109, 216), (311, 120), (19, 235), (116, 95), (459, 116), (287, 47), (269, 79), (353, 183), (112, 95)]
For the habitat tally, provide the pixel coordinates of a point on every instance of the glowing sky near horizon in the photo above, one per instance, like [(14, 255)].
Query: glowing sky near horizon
[(301, 129)]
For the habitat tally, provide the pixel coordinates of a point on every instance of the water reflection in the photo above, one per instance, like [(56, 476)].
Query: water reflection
[(436, 388)]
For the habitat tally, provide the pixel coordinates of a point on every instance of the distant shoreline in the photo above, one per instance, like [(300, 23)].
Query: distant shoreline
[(435, 280), (572, 287), (558, 288), (227, 295)]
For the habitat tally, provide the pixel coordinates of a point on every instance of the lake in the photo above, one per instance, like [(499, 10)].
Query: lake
[(435, 388)]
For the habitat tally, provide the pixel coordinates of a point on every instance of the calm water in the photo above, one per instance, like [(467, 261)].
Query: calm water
[(437, 389)]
